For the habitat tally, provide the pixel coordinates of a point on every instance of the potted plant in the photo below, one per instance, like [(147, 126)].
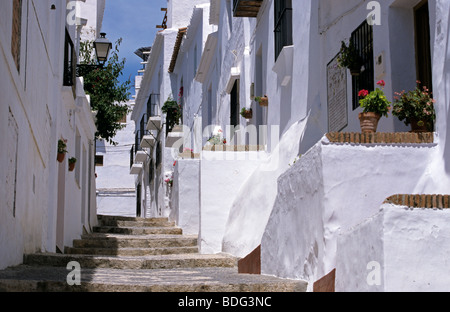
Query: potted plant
[(247, 113), (349, 58), (173, 112), (62, 150), (72, 162), (262, 100), (415, 108), (375, 105)]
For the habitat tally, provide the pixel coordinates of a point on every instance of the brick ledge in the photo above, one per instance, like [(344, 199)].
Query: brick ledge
[(381, 137), (420, 200)]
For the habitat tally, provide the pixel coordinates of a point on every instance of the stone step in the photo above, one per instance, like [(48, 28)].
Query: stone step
[(50, 279), (100, 240), (107, 218), (131, 251), (140, 223), (132, 262), (137, 230)]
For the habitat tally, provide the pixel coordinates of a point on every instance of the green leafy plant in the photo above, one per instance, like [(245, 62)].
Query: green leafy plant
[(72, 160), (246, 112), (375, 101), (349, 57), (415, 105), (62, 146), (106, 90), (173, 112)]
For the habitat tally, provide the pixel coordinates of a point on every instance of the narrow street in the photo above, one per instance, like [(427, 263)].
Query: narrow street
[(126, 254)]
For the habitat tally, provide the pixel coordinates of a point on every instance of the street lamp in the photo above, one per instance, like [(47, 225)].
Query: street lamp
[(102, 47)]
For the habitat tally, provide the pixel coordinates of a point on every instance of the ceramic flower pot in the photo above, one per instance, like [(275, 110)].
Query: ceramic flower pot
[(418, 126), (369, 122), (71, 166), (60, 157), (248, 115), (264, 101)]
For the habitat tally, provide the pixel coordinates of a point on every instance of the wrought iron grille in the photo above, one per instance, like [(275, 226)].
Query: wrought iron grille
[(362, 38), (283, 25), (69, 61), (153, 105), (137, 142), (132, 156)]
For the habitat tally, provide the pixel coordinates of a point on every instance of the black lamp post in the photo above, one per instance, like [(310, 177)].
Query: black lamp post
[(102, 46)]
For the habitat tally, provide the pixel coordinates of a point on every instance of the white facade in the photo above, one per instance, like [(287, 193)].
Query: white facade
[(298, 198), (43, 206), (115, 186)]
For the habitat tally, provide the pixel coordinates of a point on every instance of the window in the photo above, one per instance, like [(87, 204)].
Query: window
[(16, 36), (99, 160), (152, 105), (283, 25), (235, 105), (362, 38), (69, 61)]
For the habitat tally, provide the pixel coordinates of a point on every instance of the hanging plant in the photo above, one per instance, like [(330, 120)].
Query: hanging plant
[(62, 150), (173, 112), (72, 162), (349, 58)]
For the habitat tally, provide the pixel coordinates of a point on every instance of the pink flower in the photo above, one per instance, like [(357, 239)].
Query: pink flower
[(363, 93), (381, 83)]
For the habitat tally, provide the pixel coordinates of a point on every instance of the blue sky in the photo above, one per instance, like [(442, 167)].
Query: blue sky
[(135, 22)]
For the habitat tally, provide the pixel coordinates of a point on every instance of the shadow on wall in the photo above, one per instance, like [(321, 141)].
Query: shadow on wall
[(446, 104)]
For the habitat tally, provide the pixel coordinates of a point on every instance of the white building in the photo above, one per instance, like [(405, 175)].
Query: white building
[(115, 186), (301, 188), (43, 206)]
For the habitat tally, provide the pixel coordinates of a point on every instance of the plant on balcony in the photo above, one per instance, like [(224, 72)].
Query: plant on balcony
[(72, 162), (262, 100), (62, 150), (106, 91), (173, 112), (375, 105), (415, 108), (247, 113), (349, 58)]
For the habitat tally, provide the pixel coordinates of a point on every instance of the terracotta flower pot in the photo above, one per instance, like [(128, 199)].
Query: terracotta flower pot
[(417, 126), (369, 122), (71, 166), (264, 101), (248, 115), (60, 157)]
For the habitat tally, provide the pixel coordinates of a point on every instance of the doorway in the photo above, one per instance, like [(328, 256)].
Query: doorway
[(423, 45)]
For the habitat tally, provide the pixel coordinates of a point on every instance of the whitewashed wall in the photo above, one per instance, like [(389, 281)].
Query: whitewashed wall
[(331, 189), (35, 111), (399, 249)]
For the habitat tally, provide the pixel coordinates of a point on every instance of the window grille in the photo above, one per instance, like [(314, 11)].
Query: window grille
[(362, 38), (152, 105), (283, 25), (16, 32), (69, 61)]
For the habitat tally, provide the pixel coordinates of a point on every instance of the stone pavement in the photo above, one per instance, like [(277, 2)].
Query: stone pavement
[(137, 255)]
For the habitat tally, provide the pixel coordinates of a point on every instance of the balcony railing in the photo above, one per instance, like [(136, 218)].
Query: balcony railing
[(246, 8)]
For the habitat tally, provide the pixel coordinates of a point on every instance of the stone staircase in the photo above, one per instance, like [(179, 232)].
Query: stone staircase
[(137, 255)]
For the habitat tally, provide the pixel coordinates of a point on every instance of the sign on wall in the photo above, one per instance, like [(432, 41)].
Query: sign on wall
[(337, 96)]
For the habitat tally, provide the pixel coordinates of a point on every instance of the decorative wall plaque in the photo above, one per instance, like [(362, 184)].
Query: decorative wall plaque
[(337, 96)]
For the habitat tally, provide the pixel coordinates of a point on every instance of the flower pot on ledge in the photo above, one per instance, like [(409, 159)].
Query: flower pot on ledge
[(369, 122), (418, 126)]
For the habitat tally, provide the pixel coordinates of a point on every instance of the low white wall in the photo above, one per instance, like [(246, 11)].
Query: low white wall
[(332, 188), (410, 246), (251, 209), (186, 196), (222, 176)]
